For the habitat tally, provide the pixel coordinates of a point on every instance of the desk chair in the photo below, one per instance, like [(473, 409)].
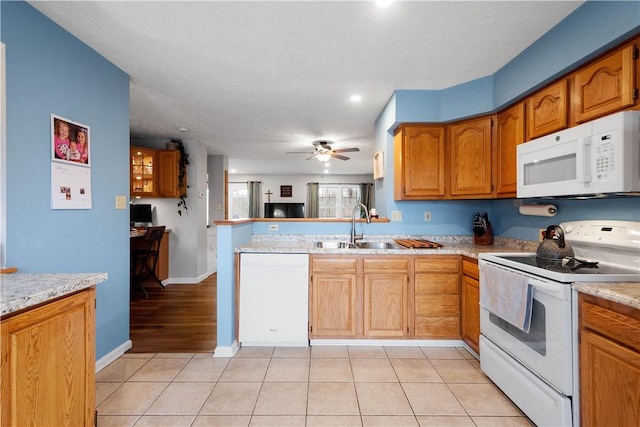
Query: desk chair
[(145, 258)]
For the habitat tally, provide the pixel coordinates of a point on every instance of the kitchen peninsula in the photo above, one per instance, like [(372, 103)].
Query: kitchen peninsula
[(47, 328)]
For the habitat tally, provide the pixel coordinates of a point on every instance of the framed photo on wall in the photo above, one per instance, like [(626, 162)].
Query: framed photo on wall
[(378, 165), (286, 191), (69, 141)]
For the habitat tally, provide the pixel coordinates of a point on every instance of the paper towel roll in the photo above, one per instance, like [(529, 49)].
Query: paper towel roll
[(538, 210)]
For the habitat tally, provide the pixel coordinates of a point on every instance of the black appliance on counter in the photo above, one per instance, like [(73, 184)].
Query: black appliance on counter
[(284, 210)]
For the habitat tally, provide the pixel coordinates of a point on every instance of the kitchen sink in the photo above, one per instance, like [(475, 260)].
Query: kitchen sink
[(375, 245), (333, 244)]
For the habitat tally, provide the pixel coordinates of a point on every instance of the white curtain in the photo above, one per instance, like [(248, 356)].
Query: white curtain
[(313, 204), (254, 190)]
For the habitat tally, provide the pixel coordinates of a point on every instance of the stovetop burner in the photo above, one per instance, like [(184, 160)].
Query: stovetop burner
[(572, 266)]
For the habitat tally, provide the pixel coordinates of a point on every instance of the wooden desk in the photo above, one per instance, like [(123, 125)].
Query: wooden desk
[(162, 267)]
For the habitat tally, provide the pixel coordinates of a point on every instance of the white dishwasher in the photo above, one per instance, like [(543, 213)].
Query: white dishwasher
[(274, 300)]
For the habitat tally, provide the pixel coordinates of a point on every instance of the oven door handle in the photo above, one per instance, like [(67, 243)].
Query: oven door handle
[(553, 289)]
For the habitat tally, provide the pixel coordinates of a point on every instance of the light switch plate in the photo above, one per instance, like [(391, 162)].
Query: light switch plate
[(273, 227), (121, 202), (427, 216), (396, 216)]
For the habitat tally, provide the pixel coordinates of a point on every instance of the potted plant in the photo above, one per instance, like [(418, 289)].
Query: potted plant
[(182, 174)]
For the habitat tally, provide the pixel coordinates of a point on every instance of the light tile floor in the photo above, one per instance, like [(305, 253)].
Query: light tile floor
[(315, 386)]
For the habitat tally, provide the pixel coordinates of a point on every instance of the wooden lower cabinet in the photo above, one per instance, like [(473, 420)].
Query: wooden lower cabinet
[(386, 283), (48, 364), (470, 304), (436, 297), (609, 363), (334, 297), (358, 297)]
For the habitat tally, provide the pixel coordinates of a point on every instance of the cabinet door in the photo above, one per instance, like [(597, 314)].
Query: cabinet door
[(333, 305), (385, 305), (510, 134), (547, 110), (470, 145), (609, 382), (419, 162), (470, 322), (48, 364), (604, 87), (168, 173), (143, 172)]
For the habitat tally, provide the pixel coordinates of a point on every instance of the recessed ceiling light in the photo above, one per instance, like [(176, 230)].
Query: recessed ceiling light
[(183, 129), (384, 3), (326, 171), (232, 171), (356, 98)]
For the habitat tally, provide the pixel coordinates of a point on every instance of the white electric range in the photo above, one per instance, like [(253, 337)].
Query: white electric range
[(536, 366)]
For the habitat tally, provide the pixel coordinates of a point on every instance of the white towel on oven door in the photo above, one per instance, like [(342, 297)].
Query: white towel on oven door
[(506, 294)]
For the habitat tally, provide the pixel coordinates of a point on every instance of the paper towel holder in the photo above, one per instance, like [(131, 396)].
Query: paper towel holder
[(538, 210)]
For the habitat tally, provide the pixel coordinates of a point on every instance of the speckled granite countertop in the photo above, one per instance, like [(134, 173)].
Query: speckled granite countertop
[(453, 245), (20, 291), (627, 293)]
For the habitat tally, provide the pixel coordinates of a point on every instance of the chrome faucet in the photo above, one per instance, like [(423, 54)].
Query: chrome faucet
[(354, 236)]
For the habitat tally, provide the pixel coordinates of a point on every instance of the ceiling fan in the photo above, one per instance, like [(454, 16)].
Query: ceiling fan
[(323, 151)]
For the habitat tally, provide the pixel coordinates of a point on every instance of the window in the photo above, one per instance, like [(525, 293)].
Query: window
[(337, 200), (238, 200)]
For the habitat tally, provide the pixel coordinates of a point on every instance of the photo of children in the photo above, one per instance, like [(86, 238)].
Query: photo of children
[(70, 141)]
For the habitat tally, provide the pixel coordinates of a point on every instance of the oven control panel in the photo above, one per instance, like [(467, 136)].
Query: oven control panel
[(614, 234)]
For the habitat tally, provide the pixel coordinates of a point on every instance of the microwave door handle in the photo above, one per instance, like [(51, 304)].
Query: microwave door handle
[(584, 144)]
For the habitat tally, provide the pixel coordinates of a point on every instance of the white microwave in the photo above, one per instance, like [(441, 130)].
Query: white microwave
[(595, 158)]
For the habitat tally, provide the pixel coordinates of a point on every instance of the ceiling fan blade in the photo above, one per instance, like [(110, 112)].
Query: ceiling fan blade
[(338, 156), (346, 150)]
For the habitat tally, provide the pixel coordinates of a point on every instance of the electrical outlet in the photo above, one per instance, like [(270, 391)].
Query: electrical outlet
[(541, 234), (396, 216), (427, 215), (273, 227)]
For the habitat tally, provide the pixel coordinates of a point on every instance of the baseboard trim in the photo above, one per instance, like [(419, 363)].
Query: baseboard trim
[(226, 351), (186, 280), (110, 357), (389, 343)]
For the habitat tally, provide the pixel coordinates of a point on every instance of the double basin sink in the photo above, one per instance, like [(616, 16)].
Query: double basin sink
[(334, 244)]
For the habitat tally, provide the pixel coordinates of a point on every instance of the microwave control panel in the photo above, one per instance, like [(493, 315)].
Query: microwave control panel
[(605, 156)]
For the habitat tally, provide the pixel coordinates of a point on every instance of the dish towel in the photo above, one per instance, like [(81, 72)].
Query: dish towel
[(507, 295)]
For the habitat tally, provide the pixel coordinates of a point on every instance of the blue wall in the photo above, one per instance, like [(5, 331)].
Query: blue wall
[(564, 47), (50, 71)]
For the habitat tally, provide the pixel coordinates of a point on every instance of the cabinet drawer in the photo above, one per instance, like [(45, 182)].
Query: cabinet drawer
[(437, 305), (470, 268), (612, 324), (437, 265), (334, 265), (437, 327), (440, 283), (385, 264)]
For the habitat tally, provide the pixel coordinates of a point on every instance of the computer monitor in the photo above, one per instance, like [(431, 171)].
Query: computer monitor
[(140, 214)]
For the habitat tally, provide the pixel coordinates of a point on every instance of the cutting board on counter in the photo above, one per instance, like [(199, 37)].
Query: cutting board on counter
[(418, 243)]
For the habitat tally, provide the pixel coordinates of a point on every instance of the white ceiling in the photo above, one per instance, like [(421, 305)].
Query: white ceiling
[(253, 80)]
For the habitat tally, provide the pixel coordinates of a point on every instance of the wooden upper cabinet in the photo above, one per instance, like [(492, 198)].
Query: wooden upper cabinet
[(154, 173), (605, 86), (470, 145), (509, 134), (419, 162), (547, 110), (168, 162)]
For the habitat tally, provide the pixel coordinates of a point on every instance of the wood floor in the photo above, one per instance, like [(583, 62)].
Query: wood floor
[(178, 319)]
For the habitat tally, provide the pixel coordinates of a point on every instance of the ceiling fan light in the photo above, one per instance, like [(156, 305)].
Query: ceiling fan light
[(324, 157)]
